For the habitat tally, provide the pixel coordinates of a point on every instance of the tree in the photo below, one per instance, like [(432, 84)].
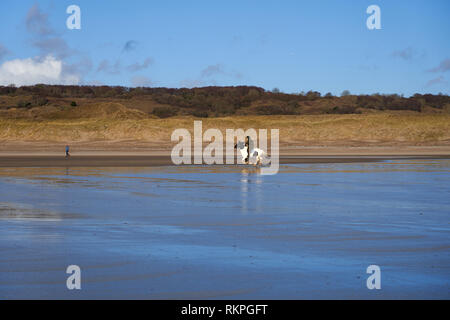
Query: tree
[(276, 90), (164, 112), (313, 95), (345, 93)]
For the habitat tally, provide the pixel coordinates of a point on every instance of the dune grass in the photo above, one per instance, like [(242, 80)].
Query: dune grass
[(381, 128)]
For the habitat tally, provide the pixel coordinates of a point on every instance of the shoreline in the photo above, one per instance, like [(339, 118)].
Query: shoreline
[(114, 160), (138, 155)]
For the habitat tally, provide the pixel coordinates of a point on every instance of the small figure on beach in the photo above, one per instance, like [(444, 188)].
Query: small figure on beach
[(247, 145), (67, 151)]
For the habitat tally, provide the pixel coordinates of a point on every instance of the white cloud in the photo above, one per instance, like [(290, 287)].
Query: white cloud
[(32, 71)]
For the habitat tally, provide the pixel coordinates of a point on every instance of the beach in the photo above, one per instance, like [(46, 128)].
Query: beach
[(225, 231)]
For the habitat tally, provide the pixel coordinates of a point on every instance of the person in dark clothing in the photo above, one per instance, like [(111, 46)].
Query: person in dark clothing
[(247, 145), (67, 151)]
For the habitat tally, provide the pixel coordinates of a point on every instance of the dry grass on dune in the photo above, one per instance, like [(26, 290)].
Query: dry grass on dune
[(112, 124)]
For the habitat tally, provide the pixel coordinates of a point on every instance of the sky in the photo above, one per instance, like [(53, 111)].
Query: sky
[(321, 45)]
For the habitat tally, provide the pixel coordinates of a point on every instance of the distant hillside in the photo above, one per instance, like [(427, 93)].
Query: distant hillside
[(42, 102)]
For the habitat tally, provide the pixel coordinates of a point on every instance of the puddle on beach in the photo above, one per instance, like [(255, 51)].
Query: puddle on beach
[(17, 211)]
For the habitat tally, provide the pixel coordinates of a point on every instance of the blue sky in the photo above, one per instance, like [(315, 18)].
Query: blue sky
[(293, 45)]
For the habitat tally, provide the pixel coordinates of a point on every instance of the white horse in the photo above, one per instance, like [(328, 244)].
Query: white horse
[(255, 156)]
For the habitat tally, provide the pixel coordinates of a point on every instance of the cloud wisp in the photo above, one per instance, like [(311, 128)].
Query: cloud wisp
[(55, 46), (141, 81), (37, 22), (212, 70), (444, 66), (405, 54), (208, 74), (130, 45), (218, 69), (117, 68), (44, 37), (436, 81), (110, 68), (140, 66), (3, 51)]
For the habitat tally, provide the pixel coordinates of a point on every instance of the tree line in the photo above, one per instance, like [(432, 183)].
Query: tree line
[(222, 101)]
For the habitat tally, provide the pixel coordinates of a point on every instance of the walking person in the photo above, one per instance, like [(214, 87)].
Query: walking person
[(67, 151)]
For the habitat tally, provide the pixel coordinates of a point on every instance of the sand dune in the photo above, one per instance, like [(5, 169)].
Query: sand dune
[(112, 123)]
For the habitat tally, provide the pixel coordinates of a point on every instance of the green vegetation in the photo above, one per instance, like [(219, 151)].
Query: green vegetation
[(164, 112), (211, 101)]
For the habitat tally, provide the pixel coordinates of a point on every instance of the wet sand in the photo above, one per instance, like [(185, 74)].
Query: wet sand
[(226, 232), (161, 158), (139, 154)]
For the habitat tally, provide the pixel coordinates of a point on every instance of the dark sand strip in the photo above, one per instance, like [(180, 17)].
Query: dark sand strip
[(158, 160)]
